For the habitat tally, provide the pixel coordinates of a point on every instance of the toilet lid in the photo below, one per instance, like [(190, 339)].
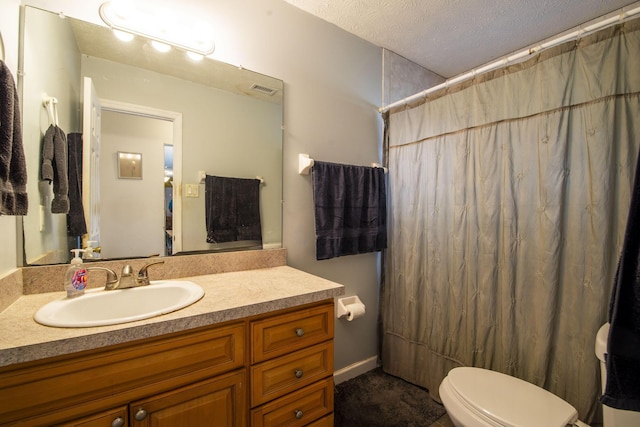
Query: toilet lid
[(510, 401)]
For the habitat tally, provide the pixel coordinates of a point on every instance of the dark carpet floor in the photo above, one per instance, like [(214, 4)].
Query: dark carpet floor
[(378, 399)]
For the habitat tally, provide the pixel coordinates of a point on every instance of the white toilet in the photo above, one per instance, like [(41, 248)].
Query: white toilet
[(475, 397)]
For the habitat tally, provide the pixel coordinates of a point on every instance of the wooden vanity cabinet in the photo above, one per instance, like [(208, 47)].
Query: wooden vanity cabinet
[(291, 372), (269, 370), (197, 372)]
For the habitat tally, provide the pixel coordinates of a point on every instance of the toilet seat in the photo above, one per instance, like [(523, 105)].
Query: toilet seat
[(504, 400)]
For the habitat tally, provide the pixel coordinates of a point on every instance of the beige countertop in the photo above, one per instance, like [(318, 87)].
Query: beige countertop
[(228, 296)]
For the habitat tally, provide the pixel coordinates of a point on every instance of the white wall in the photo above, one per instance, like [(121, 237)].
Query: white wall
[(332, 91)]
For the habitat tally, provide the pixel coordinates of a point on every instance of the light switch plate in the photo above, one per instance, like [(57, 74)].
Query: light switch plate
[(191, 190)]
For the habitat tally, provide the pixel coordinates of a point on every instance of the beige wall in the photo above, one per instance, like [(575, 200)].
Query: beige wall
[(332, 91)]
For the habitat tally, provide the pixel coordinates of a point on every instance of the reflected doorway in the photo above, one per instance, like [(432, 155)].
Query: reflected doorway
[(140, 217)]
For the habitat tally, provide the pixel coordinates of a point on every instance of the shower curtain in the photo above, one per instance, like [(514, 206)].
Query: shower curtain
[(508, 201)]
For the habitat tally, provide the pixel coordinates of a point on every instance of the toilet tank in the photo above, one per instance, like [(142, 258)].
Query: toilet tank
[(612, 417)]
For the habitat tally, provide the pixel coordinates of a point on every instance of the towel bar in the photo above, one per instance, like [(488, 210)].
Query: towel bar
[(305, 163)]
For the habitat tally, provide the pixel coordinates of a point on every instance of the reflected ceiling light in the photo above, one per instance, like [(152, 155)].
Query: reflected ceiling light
[(122, 36), (195, 56), (160, 47), (152, 21)]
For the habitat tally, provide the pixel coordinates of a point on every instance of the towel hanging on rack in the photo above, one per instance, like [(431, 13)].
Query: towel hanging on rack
[(54, 167), (76, 223), (13, 168), (350, 209), (232, 209), (622, 389)]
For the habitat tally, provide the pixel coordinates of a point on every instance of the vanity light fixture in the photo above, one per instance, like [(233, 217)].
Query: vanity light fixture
[(149, 20)]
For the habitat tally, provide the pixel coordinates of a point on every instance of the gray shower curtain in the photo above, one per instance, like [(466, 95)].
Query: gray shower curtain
[(508, 202)]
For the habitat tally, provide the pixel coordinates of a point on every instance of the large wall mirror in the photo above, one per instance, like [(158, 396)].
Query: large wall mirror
[(146, 125)]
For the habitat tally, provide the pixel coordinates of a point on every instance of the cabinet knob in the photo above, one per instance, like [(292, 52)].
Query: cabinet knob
[(299, 414), (299, 373), (299, 332), (140, 415), (118, 422)]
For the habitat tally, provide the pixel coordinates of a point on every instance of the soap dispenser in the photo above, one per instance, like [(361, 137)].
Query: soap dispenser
[(75, 280)]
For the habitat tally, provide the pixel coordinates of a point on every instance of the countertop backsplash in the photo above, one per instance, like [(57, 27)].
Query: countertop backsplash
[(50, 278)]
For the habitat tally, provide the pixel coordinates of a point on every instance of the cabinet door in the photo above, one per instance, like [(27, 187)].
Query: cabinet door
[(216, 402), (114, 418)]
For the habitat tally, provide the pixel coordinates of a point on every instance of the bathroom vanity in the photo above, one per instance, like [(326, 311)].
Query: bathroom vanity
[(256, 350)]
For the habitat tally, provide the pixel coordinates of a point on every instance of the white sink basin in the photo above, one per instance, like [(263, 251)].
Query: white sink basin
[(98, 307)]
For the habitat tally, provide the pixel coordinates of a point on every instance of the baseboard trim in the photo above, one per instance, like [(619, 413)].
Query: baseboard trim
[(355, 369)]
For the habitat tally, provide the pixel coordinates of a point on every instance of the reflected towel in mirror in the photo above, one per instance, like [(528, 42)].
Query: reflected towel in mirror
[(54, 167), (76, 224), (232, 209)]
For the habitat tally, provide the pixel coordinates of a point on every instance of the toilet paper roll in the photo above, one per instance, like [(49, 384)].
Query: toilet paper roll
[(355, 311)]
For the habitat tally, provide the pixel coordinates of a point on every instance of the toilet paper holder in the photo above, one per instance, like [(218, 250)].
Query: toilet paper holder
[(342, 309)]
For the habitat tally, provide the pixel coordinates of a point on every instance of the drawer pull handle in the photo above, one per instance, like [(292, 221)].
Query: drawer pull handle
[(140, 415), (299, 373), (118, 422), (299, 332), (299, 414)]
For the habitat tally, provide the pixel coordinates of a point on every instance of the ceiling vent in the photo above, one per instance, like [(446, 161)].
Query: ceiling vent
[(263, 89)]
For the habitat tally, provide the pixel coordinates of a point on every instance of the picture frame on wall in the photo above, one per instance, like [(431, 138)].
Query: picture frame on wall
[(129, 165)]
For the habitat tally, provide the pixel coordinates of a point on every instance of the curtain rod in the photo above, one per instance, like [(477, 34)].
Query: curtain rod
[(506, 60)]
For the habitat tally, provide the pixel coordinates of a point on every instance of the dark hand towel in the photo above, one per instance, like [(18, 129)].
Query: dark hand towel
[(54, 167), (622, 390), (76, 224), (350, 209), (232, 209), (13, 168)]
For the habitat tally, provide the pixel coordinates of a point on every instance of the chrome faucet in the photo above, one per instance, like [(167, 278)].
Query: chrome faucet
[(112, 277), (129, 280)]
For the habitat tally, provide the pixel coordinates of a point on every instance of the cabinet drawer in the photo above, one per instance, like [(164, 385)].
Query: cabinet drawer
[(297, 409), (106, 379), (277, 377), (288, 332), (115, 417), (323, 422)]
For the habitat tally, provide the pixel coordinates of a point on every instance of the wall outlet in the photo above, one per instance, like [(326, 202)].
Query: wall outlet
[(191, 190)]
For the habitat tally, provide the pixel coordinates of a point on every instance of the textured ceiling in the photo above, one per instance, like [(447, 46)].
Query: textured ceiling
[(450, 37)]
